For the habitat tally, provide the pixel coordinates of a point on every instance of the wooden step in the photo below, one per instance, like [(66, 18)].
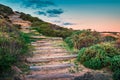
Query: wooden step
[(52, 62), (42, 45), (48, 48), (49, 55), (47, 59), (37, 37), (44, 72), (50, 76), (54, 38), (50, 52), (51, 67), (43, 41)]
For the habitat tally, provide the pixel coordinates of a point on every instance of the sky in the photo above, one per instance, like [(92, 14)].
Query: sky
[(99, 15)]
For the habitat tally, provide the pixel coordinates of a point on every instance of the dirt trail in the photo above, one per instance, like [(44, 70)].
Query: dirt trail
[(50, 61), (25, 25)]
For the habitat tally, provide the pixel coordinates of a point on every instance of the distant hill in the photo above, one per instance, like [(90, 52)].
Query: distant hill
[(46, 28), (41, 26), (5, 11)]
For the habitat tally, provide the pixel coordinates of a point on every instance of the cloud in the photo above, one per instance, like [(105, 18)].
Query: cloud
[(46, 8), (68, 23), (35, 4), (50, 12), (57, 21), (54, 12), (40, 13), (41, 5)]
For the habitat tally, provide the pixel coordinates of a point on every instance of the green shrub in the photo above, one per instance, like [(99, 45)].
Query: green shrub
[(7, 57), (28, 17), (98, 56), (115, 63), (46, 28), (52, 30), (69, 41), (10, 52), (84, 38), (25, 37), (116, 75), (93, 63), (13, 47), (117, 44), (109, 39), (5, 10), (92, 58)]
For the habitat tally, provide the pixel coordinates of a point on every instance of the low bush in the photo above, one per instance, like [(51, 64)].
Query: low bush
[(46, 28), (26, 38), (53, 30), (116, 75), (28, 17), (115, 63), (117, 44), (93, 63), (14, 45), (109, 39), (98, 56), (5, 10), (69, 41), (84, 38), (10, 52)]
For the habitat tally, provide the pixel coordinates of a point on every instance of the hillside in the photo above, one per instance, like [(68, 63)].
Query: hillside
[(14, 45), (24, 21), (46, 28), (15, 32), (5, 11), (32, 49)]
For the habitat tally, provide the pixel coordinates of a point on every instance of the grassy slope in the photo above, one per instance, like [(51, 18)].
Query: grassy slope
[(13, 45), (46, 28)]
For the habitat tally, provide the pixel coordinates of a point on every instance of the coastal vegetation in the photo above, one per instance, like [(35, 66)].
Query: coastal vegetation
[(83, 38), (94, 50), (14, 46), (46, 28)]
